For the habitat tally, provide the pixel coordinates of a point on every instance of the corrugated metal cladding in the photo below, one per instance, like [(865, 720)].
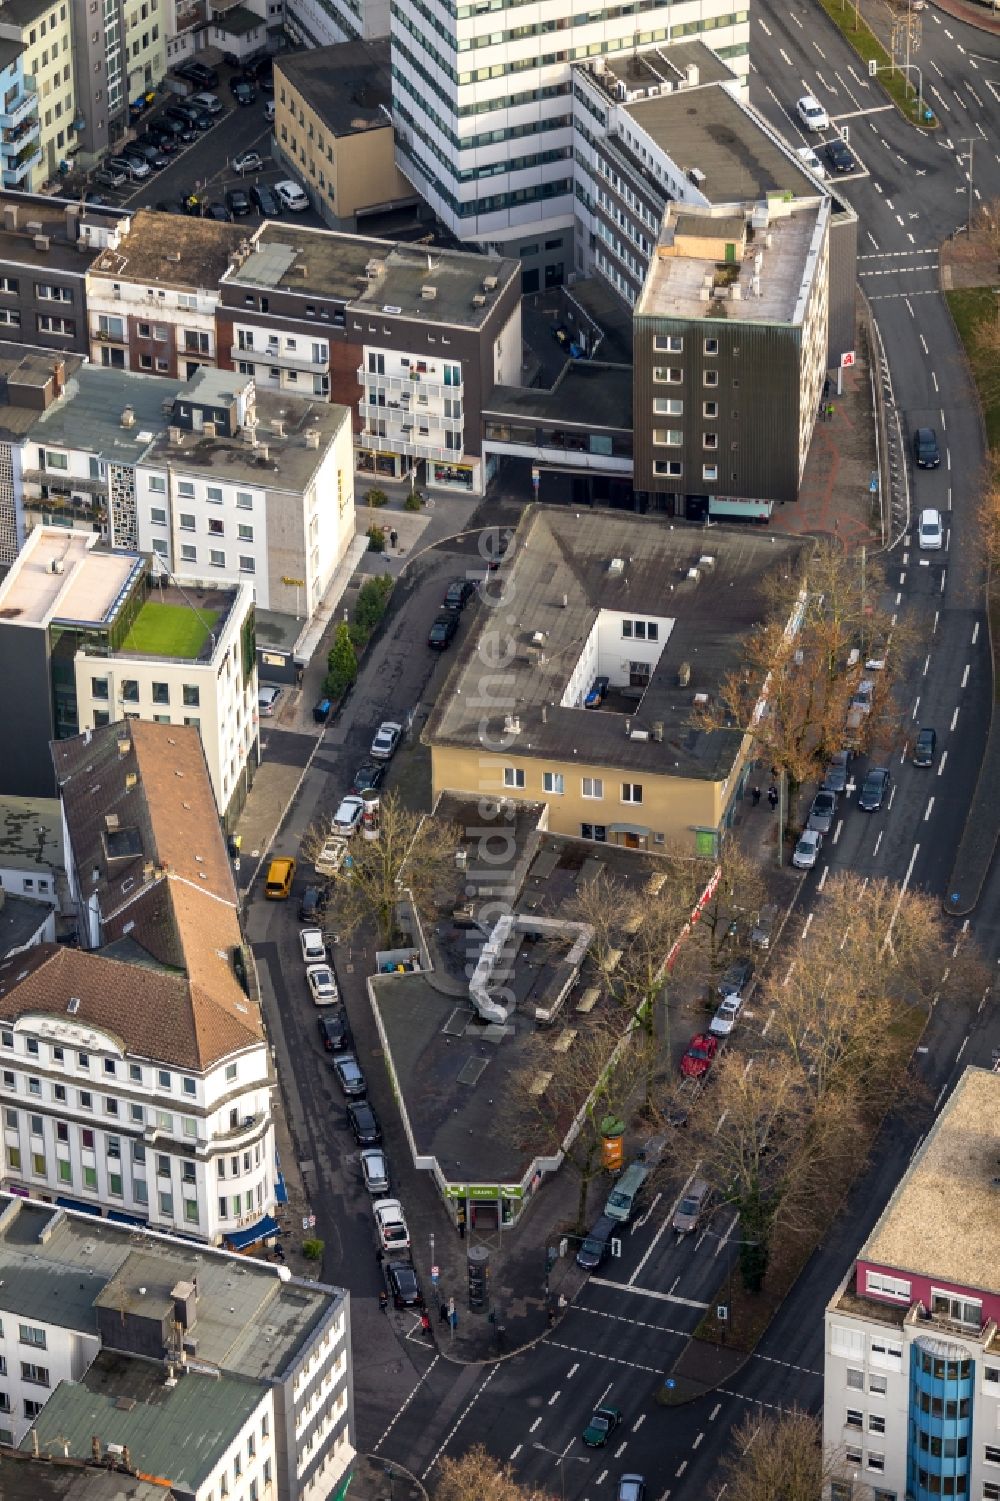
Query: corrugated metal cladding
[(843, 280), (758, 407)]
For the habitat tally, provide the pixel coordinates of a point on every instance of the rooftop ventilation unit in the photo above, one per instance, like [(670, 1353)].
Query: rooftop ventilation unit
[(428, 293), (511, 725), (616, 567), (490, 283), (478, 300), (128, 417)]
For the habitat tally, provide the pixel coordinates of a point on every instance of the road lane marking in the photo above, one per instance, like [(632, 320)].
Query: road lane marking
[(406, 1404), (515, 1452), (573, 1369), (965, 675), (877, 843), (534, 1425), (822, 879), (944, 757), (621, 1449), (633, 1365), (975, 633), (698, 1440), (929, 811), (784, 56), (715, 1412), (927, 663), (916, 706), (638, 1422), (602, 1476), (680, 1470), (555, 1395), (647, 1292), (461, 1419), (836, 836), (954, 719)]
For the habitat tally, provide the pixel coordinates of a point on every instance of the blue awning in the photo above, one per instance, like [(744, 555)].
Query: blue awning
[(79, 1206), (280, 1191), (249, 1237), (121, 1218)]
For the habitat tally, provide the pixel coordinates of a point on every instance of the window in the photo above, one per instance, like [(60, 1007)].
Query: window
[(192, 699), (889, 1287), (596, 831), (667, 406), (185, 489), (513, 776), (110, 1105), (593, 787), (28, 1334), (32, 1409), (553, 781), (230, 1073), (186, 521), (668, 343), (992, 1454), (876, 1461), (991, 1490), (876, 1422), (710, 409), (992, 1373), (166, 1204), (157, 484), (711, 346), (90, 1177), (244, 532), (99, 688), (710, 378), (244, 500), (130, 695), (217, 558), (877, 1385), (855, 1379), (709, 440), (668, 437), (247, 563), (631, 792), (86, 1100), (672, 467), (710, 471), (34, 1086), (961, 1310), (36, 1375), (189, 554), (667, 375), (161, 695), (214, 494)]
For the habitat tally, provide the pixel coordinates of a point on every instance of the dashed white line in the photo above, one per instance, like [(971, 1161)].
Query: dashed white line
[(836, 836), (935, 380), (534, 1425), (954, 719), (822, 879), (878, 842), (975, 633), (715, 1412), (929, 810), (461, 1419), (515, 1452), (621, 1449), (680, 1469), (602, 1477), (944, 757), (573, 1369), (927, 663), (555, 1395), (638, 1422), (764, 27), (916, 706), (406, 1404), (697, 1440), (784, 56), (965, 675)]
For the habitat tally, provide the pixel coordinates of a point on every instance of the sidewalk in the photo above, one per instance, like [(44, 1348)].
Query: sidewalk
[(973, 15)]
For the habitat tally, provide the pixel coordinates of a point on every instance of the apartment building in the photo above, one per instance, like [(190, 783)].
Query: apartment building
[(326, 23), (731, 337), (911, 1381), (152, 298), (44, 30), (137, 1079), (20, 131), (412, 340), (120, 55), (142, 1355), (333, 128), (91, 638), (31, 852), (46, 248), (645, 616), (484, 112)]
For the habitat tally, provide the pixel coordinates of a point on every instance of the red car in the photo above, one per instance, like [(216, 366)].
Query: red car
[(701, 1050)]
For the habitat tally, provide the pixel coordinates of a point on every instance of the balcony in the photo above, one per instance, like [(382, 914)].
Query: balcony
[(20, 109), (107, 336), (279, 361), (397, 413), (415, 381), (14, 172), (14, 141), (411, 449)]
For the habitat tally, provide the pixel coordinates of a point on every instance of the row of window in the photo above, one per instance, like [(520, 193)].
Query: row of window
[(44, 291), (253, 1493), (673, 375), (674, 469), (554, 782), (188, 522), (45, 323), (137, 1114), (115, 1183), (100, 688), (113, 1068), (187, 490)]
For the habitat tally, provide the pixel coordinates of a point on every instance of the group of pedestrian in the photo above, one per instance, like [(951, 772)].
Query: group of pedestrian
[(772, 796)]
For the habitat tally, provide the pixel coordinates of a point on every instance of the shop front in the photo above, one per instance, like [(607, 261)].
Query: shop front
[(461, 477), (381, 465), (484, 1206)]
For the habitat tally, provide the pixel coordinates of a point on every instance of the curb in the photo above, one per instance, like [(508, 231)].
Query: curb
[(977, 23)]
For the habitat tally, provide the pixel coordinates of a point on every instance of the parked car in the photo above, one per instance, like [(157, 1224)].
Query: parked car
[(322, 985), (247, 161), (161, 140), (218, 212), (209, 104), (808, 158), (291, 196), (95, 200), (931, 533), (442, 631), (691, 1207), (874, 789), (196, 72), (269, 111), (349, 1075), (458, 593), (736, 978), (180, 114), (264, 200), (926, 453), (110, 177), (390, 1225), (364, 1123), (132, 166), (243, 91), (369, 775), (837, 773), (401, 1280), (313, 946), (311, 904), (238, 203), (334, 1032), (925, 746), (151, 155), (632, 1488), (348, 816), (201, 121), (602, 1425), (811, 113), (332, 856), (375, 1171), (823, 812), (840, 156), (700, 1055), (724, 1020), (387, 738), (763, 929), (268, 696), (179, 129), (598, 693), (597, 1246), (806, 852)]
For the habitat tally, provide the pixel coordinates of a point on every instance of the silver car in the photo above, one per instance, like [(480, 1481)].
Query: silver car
[(807, 850), (691, 1208), (375, 1171), (823, 812)]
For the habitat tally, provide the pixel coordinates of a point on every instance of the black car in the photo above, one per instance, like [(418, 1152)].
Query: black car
[(181, 126), (96, 200), (238, 205), (839, 156), (925, 448), (836, 775), (401, 1280), (311, 904), (217, 211), (243, 91), (364, 1123), (874, 789), (264, 200), (368, 776), (198, 73), (202, 120), (597, 1247), (349, 1075), (442, 631), (459, 592), (159, 139), (926, 745), (151, 155), (173, 130), (334, 1032)]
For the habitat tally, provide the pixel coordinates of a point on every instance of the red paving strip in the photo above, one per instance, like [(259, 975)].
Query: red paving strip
[(973, 15)]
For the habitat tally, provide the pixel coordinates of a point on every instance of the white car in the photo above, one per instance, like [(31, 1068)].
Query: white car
[(291, 196), (209, 104), (348, 816), (812, 114), (331, 856), (808, 158), (724, 1020), (322, 985), (390, 1225), (385, 742), (931, 531), (313, 946), (247, 161), (807, 850), (267, 700)]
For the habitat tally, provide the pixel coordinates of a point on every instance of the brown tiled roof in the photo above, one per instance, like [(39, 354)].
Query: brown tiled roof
[(146, 843)]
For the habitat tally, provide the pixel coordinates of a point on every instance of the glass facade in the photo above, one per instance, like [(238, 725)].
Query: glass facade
[(940, 1420)]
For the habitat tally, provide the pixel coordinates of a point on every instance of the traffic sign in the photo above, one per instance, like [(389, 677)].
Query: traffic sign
[(435, 1274), (873, 483), (847, 359), (872, 67)]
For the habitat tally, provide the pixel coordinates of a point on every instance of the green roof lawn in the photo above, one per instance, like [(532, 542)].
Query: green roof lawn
[(169, 630)]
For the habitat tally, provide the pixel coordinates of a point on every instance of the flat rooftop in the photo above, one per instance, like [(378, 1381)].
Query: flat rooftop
[(786, 254), (20, 919), (248, 1319), (88, 415), (17, 244), (31, 834), (559, 571), (55, 1479), (728, 141), (349, 85), (195, 254), (942, 1221), (60, 574), (375, 275), (674, 64), (586, 394), (173, 624), (25, 373)]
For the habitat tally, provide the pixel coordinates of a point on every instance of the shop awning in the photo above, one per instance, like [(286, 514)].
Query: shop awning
[(629, 828), (79, 1206), (239, 1239), (747, 510), (121, 1218)]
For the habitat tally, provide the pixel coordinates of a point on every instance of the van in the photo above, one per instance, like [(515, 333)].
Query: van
[(280, 874), (622, 1198), (269, 110)]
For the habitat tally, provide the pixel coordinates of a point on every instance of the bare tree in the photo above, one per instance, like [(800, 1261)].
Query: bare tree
[(740, 889), (989, 504), (477, 1476), (412, 853), (781, 1457)]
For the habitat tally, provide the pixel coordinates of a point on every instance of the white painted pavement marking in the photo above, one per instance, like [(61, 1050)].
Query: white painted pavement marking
[(975, 633), (944, 757), (764, 26), (620, 1318), (822, 879), (836, 836), (923, 344), (638, 1422), (784, 56), (698, 1440), (715, 1412), (680, 1469), (406, 1404), (927, 663), (621, 1449), (954, 719), (602, 1477), (935, 380), (929, 811), (937, 616), (916, 706), (555, 1396), (878, 842), (965, 675), (573, 1369), (461, 1419), (534, 1425), (515, 1452), (648, 1292), (633, 1365)]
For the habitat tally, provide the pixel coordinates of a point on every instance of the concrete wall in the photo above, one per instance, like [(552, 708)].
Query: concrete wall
[(25, 682)]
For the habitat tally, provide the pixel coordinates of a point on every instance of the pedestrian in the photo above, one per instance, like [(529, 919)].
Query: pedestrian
[(772, 796), (829, 412), (755, 794), (383, 1302), (443, 1313), (393, 537), (551, 1317), (425, 1323)]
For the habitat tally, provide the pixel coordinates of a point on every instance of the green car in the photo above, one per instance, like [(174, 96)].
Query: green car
[(601, 1426)]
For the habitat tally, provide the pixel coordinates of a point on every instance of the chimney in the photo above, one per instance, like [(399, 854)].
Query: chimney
[(312, 437), (10, 215), (72, 222), (59, 377), (95, 1449), (278, 427), (128, 417)]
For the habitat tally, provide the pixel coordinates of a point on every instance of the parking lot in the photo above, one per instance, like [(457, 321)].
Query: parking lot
[(203, 166)]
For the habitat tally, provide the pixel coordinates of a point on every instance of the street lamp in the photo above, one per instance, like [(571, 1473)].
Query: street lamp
[(560, 1460)]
